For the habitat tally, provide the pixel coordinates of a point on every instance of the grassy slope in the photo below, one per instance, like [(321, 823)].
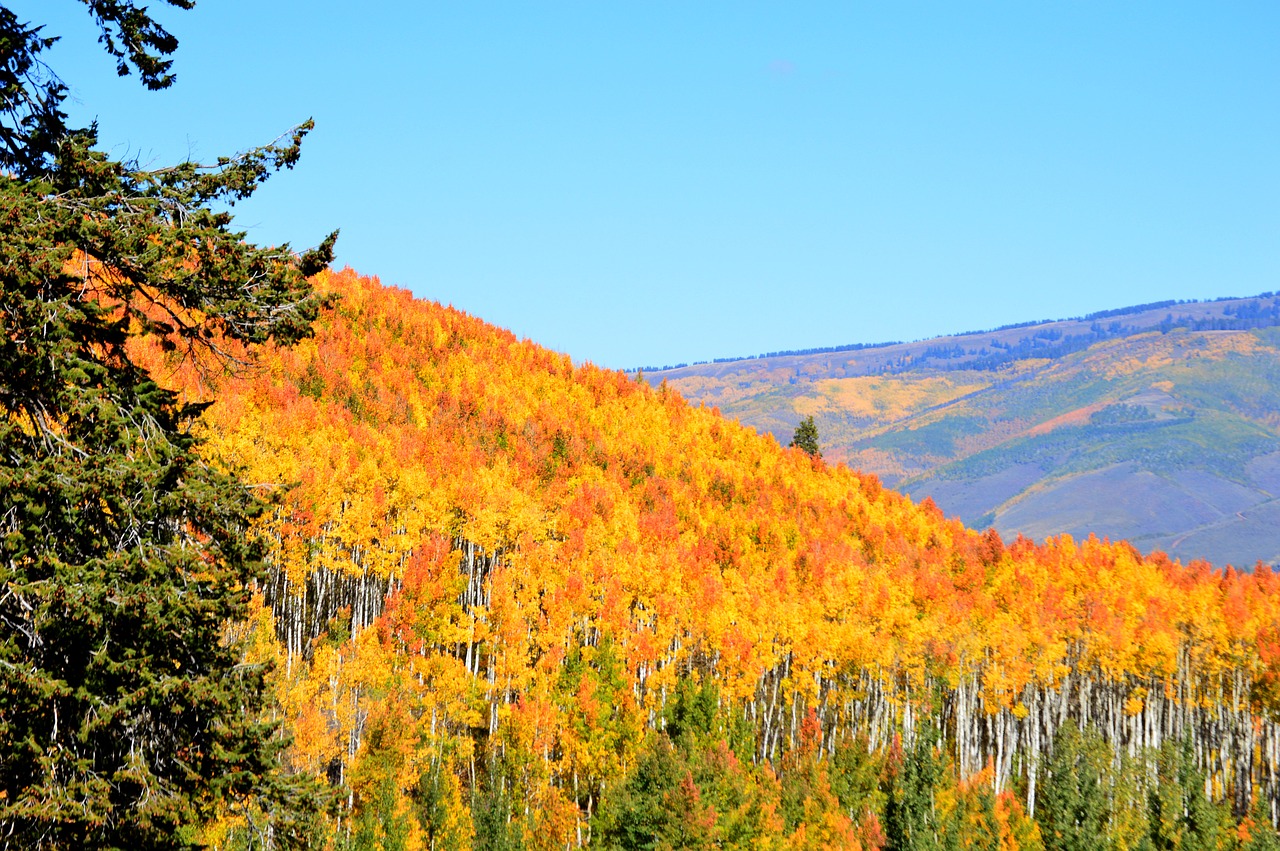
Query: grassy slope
[(1043, 446)]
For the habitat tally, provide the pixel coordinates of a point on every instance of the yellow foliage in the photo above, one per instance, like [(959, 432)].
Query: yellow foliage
[(598, 513)]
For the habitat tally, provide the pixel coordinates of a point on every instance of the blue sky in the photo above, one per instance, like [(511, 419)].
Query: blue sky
[(649, 183)]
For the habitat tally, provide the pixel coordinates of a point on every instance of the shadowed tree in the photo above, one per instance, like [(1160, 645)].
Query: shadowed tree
[(126, 720)]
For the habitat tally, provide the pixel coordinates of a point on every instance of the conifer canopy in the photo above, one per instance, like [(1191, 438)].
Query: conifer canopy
[(126, 717), (806, 437)]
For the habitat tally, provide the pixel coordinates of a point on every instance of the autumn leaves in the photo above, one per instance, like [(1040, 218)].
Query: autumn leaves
[(633, 539)]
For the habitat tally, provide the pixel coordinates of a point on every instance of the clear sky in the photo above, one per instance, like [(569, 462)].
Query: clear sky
[(643, 183)]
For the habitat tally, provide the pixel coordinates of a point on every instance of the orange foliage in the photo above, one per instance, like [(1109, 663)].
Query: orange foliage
[(606, 511)]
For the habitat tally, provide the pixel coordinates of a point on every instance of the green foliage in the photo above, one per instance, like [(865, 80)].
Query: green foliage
[(937, 439), (431, 804), (377, 822), (694, 713), (685, 794), (910, 821), (1121, 414), (689, 788), (1072, 805), (1181, 815), (32, 123), (692, 710), (638, 814), (855, 777), (806, 437), (492, 810), (1157, 800), (1262, 836), (125, 718), (1129, 782)]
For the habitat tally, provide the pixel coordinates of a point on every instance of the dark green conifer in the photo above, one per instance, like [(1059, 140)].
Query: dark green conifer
[(1072, 806), (687, 789), (855, 773), (910, 822), (497, 826), (806, 437), (126, 720), (1180, 813)]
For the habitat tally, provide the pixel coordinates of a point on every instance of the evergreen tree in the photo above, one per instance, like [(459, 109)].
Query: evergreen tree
[(637, 813), (806, 437), (126, 721), (1072, 805), (855, 773), (492, 810), (687, 788), (434, 801), (1180, 813), (910, 822)]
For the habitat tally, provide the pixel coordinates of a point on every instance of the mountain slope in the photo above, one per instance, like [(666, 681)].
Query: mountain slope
[(1170, 411), (505, 593)]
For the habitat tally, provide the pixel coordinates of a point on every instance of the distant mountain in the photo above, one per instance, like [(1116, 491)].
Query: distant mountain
[(1156, 423)]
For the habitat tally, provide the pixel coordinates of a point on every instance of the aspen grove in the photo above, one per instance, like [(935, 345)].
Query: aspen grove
[(503, 590)]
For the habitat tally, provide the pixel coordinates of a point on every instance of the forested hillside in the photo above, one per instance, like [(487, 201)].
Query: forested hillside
[(1168, 409), (516, 602)]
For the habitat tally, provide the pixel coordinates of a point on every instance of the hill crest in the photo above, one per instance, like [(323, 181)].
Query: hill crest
[(497, 567), (1170, 408), (992, 348)]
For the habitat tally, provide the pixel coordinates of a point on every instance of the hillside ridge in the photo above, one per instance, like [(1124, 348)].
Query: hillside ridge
[(507, 595), (1168, 407), (1185, 313)]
